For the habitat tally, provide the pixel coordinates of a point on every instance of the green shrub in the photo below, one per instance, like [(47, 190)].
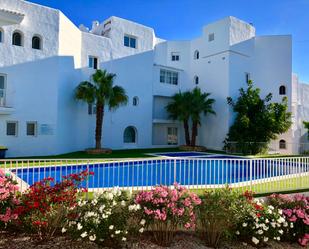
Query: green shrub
[(260, 223), (104, 220), (217, 214)]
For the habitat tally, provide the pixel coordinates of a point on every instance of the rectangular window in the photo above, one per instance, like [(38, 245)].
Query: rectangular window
[(11, 128), (172, 135), (247, 77), (92, 109), (2, 90), (211, 37), (93, 62), (175, 56), (129, 41), (168, 77), (31, 129)]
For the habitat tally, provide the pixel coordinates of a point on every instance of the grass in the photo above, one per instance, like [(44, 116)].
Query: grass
[(133, 153), (291, 185)]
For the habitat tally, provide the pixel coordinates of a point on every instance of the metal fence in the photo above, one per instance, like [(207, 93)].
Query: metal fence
[(273, 147), (263, 175)]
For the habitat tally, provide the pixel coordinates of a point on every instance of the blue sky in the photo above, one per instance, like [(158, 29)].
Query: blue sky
[(183, 19)]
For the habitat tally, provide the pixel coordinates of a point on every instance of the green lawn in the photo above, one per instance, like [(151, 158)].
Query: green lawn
[(133, 153)]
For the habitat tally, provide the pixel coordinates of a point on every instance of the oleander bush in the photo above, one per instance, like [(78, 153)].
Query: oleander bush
[(45, 206), (260, 223), (217, 214), (8, 200), (167, 209), (296, 211), (105, 219), (49, 208)]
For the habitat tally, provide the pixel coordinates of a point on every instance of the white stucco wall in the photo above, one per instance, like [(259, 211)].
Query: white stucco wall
[(41, 83)]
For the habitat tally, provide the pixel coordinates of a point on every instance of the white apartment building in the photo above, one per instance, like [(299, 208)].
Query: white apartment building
[(44, 56)]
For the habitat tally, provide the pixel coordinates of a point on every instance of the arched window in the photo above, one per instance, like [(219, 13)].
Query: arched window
[(1, 35), (17, 38), (196, 80), (129, 135), (36, 42), (196, 55), (135, 101), (282, 90), (282, 144)]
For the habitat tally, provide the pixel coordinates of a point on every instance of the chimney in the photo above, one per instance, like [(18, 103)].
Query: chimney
[(83, 28), (95, 24)]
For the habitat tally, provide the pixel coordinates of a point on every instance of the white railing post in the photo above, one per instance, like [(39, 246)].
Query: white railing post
[(175, 171), (251, 187)]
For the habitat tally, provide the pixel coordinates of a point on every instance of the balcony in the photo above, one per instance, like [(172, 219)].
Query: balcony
[(4, 109), (8, 17)]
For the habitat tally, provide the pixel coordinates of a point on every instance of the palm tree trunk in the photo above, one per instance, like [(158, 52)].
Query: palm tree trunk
[(99, 123), (194, 133), (186, 128)]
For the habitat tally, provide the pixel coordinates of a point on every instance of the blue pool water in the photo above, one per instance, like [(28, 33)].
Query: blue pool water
[(182, 154), (165, 171)]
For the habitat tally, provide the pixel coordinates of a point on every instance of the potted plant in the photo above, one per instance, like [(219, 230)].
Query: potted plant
[(2, 151)]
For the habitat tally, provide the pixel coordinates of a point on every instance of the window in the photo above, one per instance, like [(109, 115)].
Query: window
[(175, 56), (129, 41), (17, 38), (31, 129), (135, 101), (36, 42), (11, 128), (92, 109), (211, 37), (93, 62), (196, 80), (172, 135), (196, 55), (282, 90), (282, 144), (1, 35), (168, 77), (248, 78), (2, 90), (129, 135)]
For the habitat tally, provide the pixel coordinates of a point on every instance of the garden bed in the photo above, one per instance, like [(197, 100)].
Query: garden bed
[(182, 241)]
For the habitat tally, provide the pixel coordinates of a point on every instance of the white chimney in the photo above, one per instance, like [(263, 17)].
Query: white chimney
[(95, 24), (83, 28)]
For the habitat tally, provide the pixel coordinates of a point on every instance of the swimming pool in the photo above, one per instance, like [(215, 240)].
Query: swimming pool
[(194, 154), (167, 171)]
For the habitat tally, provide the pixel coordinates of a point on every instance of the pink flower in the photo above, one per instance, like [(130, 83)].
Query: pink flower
[(300, 213), (287, 212), (293, 218)]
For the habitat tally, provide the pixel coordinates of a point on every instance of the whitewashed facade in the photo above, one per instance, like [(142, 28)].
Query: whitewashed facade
[(51, 56)]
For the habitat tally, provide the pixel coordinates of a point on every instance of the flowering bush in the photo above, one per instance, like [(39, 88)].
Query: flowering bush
[(296, 211), (218, 212), (46, 205), (104, 219), (165, 209), (260, 223), (8, 199)]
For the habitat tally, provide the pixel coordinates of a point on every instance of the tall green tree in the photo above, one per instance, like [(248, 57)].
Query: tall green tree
[(101, 92), (179, 109), (200, 104), (257, 121), (187, 107)]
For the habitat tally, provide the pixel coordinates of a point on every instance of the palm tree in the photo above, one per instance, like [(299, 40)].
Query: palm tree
[(179, 109), (200, 103), (102, 92)]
